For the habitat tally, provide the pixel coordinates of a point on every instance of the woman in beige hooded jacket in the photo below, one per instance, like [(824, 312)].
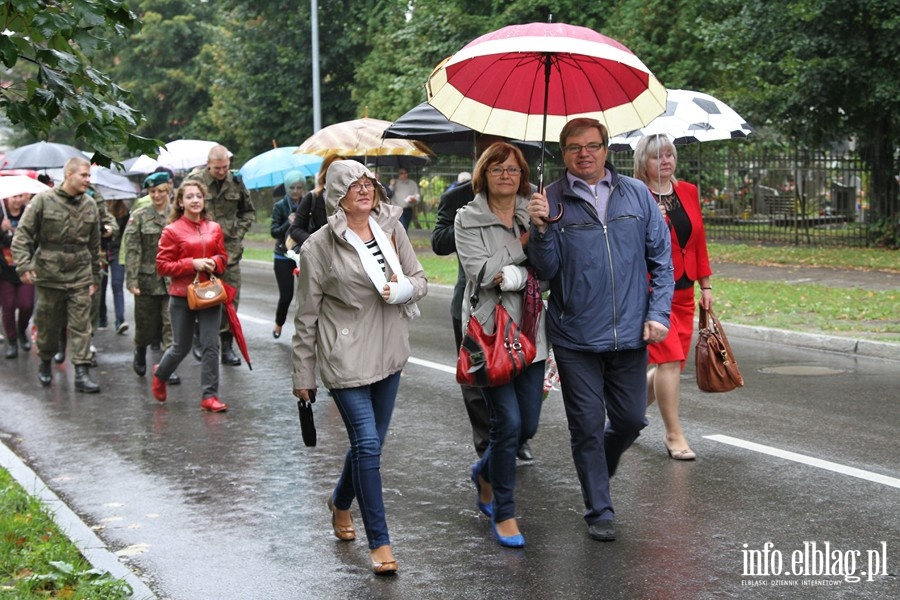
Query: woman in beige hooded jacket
[(358, 284)]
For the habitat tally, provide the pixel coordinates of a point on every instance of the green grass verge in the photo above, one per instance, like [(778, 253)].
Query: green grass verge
[(810, 308), (37, 560)]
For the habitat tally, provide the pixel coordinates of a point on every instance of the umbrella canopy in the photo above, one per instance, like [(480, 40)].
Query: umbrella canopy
[(138, 165), (526, 82), (690, 117), (236, 330), (112, 186), (269, 168), (362, 139), (426, 124), (183, 155), (40, 155), (13, 185)]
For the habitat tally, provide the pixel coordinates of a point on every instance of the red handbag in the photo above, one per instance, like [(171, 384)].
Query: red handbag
[(491, 360)]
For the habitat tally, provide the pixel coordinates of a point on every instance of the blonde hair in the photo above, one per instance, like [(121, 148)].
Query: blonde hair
[(648, 147)]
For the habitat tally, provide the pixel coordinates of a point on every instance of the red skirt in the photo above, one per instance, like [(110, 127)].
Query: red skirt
[(677, 344)]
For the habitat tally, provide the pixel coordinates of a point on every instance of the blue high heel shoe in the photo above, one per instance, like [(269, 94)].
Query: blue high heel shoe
[(484, 507), (508, 541)]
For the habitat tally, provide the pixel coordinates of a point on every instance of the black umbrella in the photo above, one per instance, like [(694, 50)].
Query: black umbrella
[(307, 423), (426, 124), (40, 155)]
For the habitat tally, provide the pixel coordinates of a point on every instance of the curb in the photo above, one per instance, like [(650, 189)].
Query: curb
[(91, 547), (813, 341)]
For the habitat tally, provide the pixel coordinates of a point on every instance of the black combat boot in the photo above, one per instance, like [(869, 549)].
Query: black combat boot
[(83, 381), (140, 360), (44, 375), (228, 355), (12, 348), (24, 341)]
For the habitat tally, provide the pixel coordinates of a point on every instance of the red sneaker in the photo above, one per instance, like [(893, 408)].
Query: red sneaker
[(212, 404), (158, 386)]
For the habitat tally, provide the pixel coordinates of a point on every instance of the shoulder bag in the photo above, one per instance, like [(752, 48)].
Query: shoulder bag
[(205, 294), (714, 363), (491, 360)]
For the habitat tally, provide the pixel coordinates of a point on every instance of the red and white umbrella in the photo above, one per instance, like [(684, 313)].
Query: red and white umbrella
[(527, 81)]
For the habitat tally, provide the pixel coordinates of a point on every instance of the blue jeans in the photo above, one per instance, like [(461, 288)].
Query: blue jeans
[(366, 411), (515, 412), (117, 275)]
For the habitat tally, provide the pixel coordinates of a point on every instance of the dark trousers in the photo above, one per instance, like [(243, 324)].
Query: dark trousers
[(117, 275), (183, 319), (605, 397), (284, 276), (17, 305), (476, 407)]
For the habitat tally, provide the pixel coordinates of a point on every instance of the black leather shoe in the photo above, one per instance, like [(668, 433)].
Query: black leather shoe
[(83, 381), (603, 530), (140, 361), (12, 349), (524, 452), (44, 375), (24, 342), (60, 357), (173, 379)]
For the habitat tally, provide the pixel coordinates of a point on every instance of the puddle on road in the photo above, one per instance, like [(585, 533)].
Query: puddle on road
[(802, 370)]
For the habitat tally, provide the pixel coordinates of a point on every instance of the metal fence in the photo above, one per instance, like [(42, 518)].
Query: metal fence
[(749, 193)]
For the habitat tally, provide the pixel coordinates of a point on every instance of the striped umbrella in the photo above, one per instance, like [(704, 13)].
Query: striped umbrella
[(527, 81)]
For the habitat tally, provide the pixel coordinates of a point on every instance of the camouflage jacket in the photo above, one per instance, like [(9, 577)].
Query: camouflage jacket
[(141, 242), (59, 239), (229, 205)]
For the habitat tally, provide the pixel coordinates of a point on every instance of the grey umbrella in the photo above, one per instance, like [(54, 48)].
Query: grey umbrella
[(40, 155)]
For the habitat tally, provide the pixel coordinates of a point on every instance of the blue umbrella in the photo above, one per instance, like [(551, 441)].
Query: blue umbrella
[(269, 168)]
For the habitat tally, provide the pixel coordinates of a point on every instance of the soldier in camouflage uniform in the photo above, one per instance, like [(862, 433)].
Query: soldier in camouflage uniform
[(108, 228), (151, 292), (229, 205), (57, 247)]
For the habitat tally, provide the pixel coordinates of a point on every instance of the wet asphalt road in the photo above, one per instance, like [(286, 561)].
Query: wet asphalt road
[(232, 505)]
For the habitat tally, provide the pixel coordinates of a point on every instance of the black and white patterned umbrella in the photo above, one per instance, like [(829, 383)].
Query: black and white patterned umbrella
[(690, 117)]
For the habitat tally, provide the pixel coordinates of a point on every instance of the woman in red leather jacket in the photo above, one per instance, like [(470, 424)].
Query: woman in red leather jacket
[(655, 159), (190, 243)]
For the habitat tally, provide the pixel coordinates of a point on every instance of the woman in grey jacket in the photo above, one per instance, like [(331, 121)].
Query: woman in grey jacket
[(491, 235), (358, 284)]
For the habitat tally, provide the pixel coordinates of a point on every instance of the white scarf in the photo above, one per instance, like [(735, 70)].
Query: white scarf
[(402, 289)]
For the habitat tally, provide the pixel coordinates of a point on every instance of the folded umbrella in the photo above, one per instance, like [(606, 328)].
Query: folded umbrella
[(307, 423), (236, 330)]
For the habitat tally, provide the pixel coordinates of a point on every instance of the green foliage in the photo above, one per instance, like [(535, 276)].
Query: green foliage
[(37, 560), (48, 47), (885, 232)]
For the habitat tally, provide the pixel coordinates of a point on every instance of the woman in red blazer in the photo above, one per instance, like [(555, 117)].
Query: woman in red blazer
[(191, 244), (655, 159)]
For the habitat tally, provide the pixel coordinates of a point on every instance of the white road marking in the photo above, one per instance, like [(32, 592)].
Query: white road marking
[(432, 365), (807, 460)]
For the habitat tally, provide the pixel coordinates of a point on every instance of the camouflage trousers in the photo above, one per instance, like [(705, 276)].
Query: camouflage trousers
[(151, 315), (60, 308)]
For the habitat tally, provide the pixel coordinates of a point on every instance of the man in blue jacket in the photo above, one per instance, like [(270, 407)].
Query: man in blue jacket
[(605, 236)]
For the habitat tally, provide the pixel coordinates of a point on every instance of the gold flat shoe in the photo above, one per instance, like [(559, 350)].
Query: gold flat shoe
[(345, 533), (686, 454), (388, 567)]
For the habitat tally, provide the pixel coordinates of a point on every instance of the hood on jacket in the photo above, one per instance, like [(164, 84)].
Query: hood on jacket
[(341, 173)]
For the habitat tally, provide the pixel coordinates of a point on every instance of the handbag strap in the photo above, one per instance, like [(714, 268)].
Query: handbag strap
[(212, 277), (473, 300)]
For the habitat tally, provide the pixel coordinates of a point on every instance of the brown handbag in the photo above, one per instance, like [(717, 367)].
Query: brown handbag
[(714, 363), (205, 294)]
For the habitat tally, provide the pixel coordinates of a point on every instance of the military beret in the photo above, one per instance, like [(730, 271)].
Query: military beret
[(156, 179)]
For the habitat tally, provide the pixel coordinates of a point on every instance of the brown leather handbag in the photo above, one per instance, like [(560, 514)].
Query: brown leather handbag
[(205, 294), (714, 363)]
